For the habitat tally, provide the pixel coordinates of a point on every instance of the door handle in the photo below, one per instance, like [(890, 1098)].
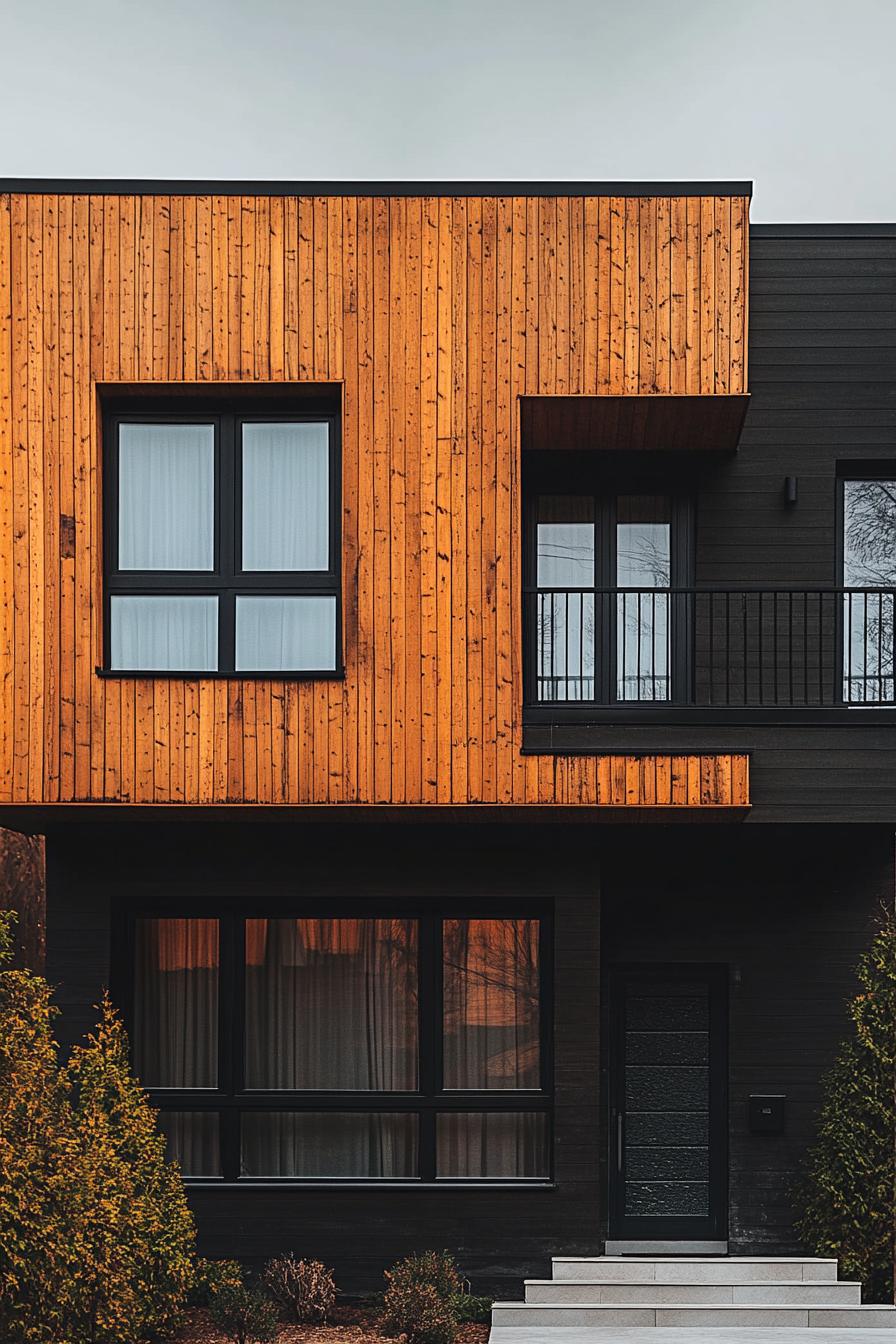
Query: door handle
[(619, 1141)]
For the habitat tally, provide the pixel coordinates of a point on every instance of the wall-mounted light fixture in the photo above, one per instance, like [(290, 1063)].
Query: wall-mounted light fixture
[(790, 483)]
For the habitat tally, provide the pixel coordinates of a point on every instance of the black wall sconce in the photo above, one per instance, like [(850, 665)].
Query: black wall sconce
[(790, 483)]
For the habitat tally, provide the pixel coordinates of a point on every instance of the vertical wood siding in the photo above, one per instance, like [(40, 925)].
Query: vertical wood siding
[(436, 314)]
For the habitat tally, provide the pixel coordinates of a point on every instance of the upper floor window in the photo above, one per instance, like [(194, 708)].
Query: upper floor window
[(222, 544)]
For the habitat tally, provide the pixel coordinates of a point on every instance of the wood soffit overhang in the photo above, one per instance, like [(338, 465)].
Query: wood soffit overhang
[(641, 423)]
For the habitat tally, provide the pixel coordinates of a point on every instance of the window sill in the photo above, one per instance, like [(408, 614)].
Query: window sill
[(286, 1183), (121, 674)]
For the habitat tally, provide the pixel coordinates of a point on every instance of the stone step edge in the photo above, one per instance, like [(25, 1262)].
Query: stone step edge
[(695, 1306), (689, 1283), (695, 1259)]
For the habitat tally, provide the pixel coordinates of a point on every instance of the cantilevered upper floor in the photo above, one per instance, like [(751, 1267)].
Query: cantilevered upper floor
[(442, 495)]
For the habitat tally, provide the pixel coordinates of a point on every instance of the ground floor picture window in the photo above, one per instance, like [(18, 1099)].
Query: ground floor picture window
[(402, 1046)]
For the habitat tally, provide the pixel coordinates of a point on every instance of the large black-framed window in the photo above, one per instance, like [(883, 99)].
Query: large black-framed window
[(608, 562), (222, 542), (398, 1042)]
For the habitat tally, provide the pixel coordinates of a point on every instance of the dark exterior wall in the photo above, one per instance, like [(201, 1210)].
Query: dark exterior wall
[(789, 911), (499, 1234), (822, 378)]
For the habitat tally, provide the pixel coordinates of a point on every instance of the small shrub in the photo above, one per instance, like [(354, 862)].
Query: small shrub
[(436, 1268), (472, 1310), (416, 1311), (304, 1289), (243, 1314), (212, 1275)]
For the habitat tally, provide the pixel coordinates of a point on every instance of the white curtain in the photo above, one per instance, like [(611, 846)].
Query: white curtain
[(497, 1144), (176, 1028), (342, 1144), (193, 1140), (286, 496), (331, 1004), (166, 486), (164, 634), (280, 634)]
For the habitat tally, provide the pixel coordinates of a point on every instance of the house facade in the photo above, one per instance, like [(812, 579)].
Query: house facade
[(447, 645)]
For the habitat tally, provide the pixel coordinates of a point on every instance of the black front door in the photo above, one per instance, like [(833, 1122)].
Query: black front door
[(668, 1103)]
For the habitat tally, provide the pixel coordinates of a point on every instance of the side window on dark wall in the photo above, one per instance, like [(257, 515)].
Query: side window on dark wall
[(868, 576)]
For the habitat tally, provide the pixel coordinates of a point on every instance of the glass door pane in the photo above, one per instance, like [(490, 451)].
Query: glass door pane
[(564, 613), (869, 563), (644, 570)]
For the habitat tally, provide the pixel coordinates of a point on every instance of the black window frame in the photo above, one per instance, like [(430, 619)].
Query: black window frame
[(228, 579), (869, 469), (568, 474), (430, 1099)]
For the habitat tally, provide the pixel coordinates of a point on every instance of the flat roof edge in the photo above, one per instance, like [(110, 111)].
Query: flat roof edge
[(852, 230), (171, 187)]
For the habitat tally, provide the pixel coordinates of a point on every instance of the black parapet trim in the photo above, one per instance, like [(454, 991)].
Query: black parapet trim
[(151, 187)]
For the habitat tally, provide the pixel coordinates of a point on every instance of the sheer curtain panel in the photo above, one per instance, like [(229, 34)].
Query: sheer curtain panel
[(166, 497)]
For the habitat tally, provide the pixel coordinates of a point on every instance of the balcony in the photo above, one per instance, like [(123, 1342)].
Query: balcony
[(709, 655)]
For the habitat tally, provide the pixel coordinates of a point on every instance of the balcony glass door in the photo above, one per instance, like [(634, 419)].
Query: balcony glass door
[(643, 576), (608, 628)]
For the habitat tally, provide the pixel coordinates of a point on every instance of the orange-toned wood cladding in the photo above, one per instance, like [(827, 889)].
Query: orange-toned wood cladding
[(436, 314)]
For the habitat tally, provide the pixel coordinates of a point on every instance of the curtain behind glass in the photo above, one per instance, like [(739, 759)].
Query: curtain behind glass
[(491, 996), (286, 494), (166, 486), (175, 1039), (281, 634), (164, 634), (331, 1004), (193, 1140), (500, 1145), (317, 1144)]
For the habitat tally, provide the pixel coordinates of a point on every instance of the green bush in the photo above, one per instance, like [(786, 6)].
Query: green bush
[(96, 1241), (210, 1275), (243, 1314), (304, 1289), (472, 1310), (436, 1268), (848, 1201), (416, 1311), (421, 1296)]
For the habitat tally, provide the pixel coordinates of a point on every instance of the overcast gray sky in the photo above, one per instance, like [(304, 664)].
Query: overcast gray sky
[(799, 95)]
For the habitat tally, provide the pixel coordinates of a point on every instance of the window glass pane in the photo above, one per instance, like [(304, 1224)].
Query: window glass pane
[(164, 634), (175, 1038), (869, 618), (643, 562), (324, 1144), (565, 620), (166, 492), (331, 1004), (491, 996), (286, 493), (495, 1144), (285, 634), (565, 541), (193, 1140)]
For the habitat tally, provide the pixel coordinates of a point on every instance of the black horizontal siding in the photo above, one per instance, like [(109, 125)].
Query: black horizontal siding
[(822, 377)]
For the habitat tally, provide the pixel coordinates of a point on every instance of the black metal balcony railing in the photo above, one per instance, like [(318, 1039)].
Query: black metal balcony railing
[(726, 648)]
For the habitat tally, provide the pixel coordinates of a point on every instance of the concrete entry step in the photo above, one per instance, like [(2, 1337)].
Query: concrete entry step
[(517, 1315), (692, 1269), (694, 1295), (775, 1292)]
